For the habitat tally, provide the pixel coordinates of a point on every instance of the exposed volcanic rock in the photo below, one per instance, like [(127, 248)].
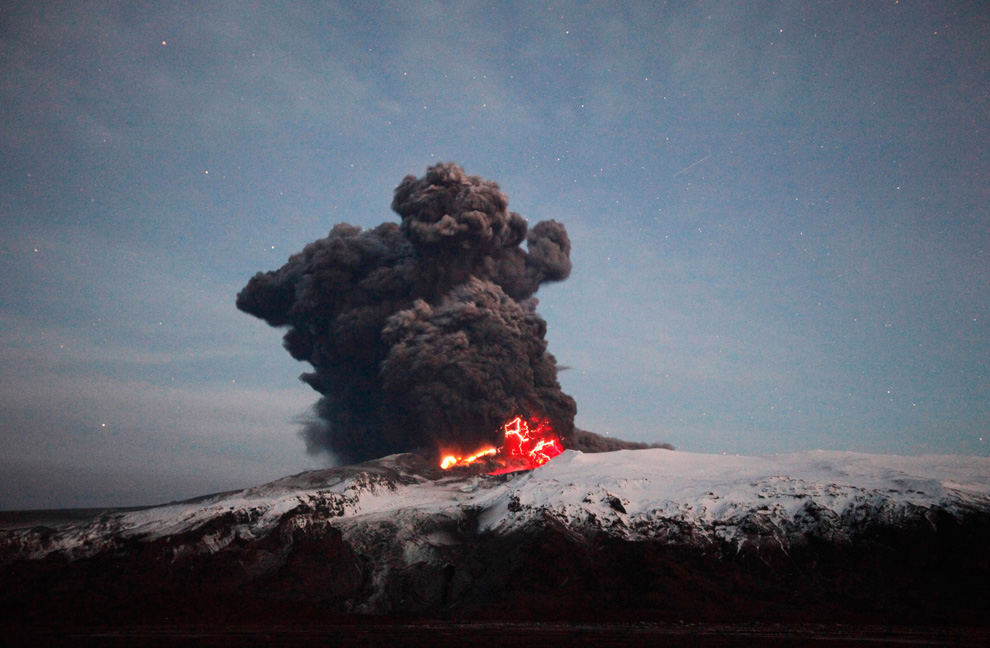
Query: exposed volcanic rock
[(645, 535)]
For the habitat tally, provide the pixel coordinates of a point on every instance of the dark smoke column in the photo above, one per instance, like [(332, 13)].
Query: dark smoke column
[(424, 334)]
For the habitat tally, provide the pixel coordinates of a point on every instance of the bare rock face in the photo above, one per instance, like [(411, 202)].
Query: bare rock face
[(646, 535)]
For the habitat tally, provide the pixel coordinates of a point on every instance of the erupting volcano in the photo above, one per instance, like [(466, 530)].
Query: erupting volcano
[(524, 448), (424, 334)]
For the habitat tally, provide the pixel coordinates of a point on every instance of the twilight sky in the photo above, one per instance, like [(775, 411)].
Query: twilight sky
[(780, 217)]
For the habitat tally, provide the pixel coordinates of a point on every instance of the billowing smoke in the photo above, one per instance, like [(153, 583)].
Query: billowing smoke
[(422, 334), (590, 442)]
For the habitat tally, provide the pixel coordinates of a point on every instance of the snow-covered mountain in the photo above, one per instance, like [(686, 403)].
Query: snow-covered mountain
[(622, 534)]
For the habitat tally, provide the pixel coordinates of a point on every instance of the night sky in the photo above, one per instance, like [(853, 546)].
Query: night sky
[(778, 211)]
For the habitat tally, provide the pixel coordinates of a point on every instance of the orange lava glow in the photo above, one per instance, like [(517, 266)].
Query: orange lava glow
[(452, 460), (525, 448)]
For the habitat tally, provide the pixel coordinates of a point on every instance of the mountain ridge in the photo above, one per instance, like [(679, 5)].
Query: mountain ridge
[(652, 534)]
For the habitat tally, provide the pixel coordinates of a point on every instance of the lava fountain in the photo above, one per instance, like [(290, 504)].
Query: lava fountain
[(527, 445)]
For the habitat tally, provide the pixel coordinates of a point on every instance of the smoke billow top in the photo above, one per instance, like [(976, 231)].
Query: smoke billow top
[(423, 334)]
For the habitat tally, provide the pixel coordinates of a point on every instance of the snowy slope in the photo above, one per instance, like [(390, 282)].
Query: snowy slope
[(649, 493), (634, 495)]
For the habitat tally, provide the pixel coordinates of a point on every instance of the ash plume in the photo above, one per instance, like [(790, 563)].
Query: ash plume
[(590, 442), (422, 334)]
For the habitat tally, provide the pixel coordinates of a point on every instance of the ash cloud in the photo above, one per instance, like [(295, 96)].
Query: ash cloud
[(590, 442), (422, 334)]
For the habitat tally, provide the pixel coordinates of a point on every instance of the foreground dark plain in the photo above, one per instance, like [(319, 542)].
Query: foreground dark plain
[(361, 633)]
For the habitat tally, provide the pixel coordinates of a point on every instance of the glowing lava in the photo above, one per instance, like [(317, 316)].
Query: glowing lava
[(525, 448), (451, 460)]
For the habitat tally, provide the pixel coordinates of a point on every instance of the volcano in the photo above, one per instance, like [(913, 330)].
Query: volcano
[(525, 445), (652, 535)]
